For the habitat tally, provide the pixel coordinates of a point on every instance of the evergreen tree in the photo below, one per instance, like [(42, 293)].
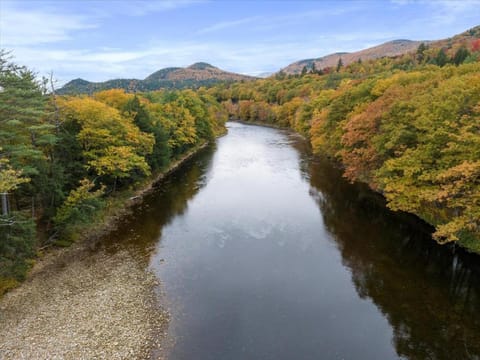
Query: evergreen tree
[(460, 56), (339, 64), (160, 155), (441, 59), (22, 134), (420, 54)]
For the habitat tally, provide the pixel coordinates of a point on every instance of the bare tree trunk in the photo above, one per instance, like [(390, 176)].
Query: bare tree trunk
[(56, 116), (4, 203)]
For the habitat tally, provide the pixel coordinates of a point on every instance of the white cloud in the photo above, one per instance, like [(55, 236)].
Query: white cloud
[(38, 37), (253, 58), (446, 12), (49, 22), (32, 27), (278, 21), (227, 24)]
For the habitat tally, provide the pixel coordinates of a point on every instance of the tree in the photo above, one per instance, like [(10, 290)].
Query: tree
[(113, 147), (22, 135), (475, 45), (79, 207), (460, 55), (420, 54), (9, 180), (339, 64), (441, 59), (116, 98), (160, 155), (280, 75), (178, 123), (304, 71)]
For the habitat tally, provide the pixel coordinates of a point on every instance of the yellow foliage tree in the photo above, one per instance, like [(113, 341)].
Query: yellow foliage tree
[(116, 98), (111, 142)]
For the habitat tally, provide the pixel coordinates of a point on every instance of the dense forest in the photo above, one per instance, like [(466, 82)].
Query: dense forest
[(174, 78), (66, 161), (408, 126)]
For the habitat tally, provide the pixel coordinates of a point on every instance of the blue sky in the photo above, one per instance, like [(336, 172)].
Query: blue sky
[(100, 40)]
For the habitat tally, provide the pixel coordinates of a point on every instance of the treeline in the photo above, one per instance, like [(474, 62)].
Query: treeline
[(63, 158), (408, 126), (80, 86)]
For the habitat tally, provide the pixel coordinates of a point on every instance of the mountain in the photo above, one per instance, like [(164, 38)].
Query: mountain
[(193, 76), (388, 49)]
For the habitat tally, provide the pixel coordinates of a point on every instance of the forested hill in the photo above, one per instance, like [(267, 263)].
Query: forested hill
[(193, 76), (393, 48)]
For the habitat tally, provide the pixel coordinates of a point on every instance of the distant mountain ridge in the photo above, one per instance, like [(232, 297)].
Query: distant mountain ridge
[(388, 49), (193, 76)]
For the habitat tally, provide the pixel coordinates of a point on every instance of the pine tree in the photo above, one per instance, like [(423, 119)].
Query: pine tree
[(441, 59), (339, 64), (460, 56), (420, 55)]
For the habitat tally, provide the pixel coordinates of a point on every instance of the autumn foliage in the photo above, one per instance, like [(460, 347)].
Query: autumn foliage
[(64, 158), (409, 127)]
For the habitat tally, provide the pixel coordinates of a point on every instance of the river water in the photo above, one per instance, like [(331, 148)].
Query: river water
[(264, 252)]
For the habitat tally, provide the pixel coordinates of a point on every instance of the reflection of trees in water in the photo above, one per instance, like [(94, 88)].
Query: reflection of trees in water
[(430, 294), (141, 230)]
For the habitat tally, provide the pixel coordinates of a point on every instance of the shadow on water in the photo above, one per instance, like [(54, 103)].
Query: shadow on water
[(140, 231), (430, 294)]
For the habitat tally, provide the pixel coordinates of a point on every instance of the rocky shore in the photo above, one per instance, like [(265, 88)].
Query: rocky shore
[(83, 303), (79, 305)]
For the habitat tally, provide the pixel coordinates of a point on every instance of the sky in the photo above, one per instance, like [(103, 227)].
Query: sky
[(101, 40)]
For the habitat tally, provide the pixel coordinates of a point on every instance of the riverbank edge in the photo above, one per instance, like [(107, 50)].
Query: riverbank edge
[(53, 262), (268, 125), (403, 214), (122, 204), (116, 209)]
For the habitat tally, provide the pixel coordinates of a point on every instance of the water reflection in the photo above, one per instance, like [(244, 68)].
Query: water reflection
[(430, 294), (266, 253), (250, 270), (140, 231)]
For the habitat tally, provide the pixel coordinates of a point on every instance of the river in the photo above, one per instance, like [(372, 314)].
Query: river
[(264, 252)]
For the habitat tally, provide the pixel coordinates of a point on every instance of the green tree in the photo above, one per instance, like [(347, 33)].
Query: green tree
[(9, 181), (460, 55), (80, 207), (160, 155), (420, 54), (339, 64), (441, 59)]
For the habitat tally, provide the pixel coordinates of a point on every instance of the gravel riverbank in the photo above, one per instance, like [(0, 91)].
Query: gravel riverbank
[(79, 305), (83, 304)]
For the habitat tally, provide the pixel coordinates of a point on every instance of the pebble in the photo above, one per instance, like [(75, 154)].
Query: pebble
[(100, 306)]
